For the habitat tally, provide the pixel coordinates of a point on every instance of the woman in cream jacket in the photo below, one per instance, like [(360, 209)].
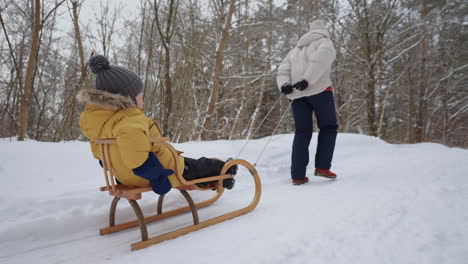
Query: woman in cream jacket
[(304, 77)]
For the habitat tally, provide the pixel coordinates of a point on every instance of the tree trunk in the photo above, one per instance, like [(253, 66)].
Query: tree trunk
[(411, 108), (17, 82), (140, 41), (217, 72), (420, 124), (370, 96), (166, 41), (168, 91), (371, 68), (79, 43), (266, 82), (148, 59), (29, 81)]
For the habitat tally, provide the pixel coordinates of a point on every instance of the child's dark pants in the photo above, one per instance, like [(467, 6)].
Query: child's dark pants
[(324, 107), (201, 168)]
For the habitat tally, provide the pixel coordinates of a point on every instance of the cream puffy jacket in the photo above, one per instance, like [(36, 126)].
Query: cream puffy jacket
[(310, 60)]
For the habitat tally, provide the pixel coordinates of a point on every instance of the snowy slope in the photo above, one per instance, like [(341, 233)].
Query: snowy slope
[(391, 204)]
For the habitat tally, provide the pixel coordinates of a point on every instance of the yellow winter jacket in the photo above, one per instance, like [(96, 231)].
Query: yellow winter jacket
[(114, 116)]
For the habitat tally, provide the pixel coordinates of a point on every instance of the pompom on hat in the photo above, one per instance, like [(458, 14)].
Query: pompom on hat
[(115, 79), (98, 63)]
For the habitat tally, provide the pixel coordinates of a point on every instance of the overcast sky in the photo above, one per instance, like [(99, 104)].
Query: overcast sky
[(91, 8)]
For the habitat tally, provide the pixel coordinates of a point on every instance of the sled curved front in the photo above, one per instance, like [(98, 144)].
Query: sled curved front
[(214, 220), (135, 193)]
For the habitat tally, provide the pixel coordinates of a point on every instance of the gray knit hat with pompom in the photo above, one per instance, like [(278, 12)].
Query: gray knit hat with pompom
[(115, 79)]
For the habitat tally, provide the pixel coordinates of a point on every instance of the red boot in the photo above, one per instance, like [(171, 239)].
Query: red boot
[(325, 173), (300, 181)]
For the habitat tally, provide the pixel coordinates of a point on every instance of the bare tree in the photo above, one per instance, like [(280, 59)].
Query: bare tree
[(421, 113), (166, 38), (265, 81), (106, 21), (372, 24), (79, 42), (30, 70), (217, 71), (208, 67), (28, 83)]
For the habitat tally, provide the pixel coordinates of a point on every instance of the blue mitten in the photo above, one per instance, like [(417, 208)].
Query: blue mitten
[(155, 173)]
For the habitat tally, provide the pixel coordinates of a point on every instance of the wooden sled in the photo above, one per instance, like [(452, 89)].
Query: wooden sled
[(132, 194)]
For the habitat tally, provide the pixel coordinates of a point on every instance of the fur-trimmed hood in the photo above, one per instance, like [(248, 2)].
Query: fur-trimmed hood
[(104, 99), (104, 111), (115, 116)]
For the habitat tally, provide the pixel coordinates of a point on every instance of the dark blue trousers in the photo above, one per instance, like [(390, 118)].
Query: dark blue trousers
[(323, 105)]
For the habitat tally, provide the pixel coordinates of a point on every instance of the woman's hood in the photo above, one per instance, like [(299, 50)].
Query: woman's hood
[(317, 31)]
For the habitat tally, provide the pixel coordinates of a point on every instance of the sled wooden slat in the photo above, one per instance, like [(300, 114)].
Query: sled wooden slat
[(135, 193), (106, 176), (156, 217), (212, 221), (120, 190), (108, 163), (128, 189)]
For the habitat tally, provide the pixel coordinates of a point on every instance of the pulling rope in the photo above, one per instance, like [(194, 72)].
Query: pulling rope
[(269, 140), (261, 123)]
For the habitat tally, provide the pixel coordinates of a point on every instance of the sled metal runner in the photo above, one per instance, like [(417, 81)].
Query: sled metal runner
[(132, 194)]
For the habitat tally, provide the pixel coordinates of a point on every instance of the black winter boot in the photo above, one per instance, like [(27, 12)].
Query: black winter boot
[(229, 183), (205, 167)]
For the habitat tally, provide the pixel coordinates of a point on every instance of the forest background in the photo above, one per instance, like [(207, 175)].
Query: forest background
[(209, 67)]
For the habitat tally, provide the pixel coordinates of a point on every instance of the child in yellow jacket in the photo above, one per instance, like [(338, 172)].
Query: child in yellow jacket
[(113, 110)]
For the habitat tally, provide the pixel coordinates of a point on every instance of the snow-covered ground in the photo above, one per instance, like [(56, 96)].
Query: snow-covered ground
[(390, 204)]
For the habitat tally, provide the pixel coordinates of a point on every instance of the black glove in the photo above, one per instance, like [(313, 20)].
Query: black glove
[(286, 89), (301, 86)]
